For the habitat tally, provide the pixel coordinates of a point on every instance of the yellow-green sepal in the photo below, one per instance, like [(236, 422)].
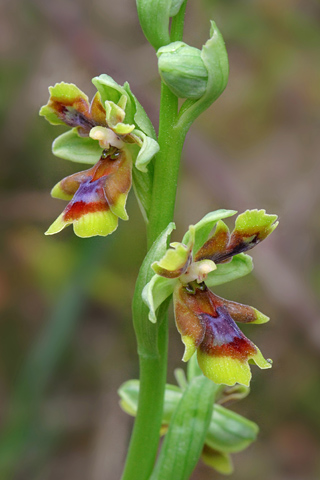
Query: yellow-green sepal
[(71, 146), (64, 93), (156, 292), (239, 266), (255, 222)]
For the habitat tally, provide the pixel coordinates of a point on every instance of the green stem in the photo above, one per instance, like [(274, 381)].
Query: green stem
[(167, 165), (145, 436), (153, 367)]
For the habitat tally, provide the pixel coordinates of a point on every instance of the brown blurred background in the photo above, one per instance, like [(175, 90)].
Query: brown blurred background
[(66, 339)]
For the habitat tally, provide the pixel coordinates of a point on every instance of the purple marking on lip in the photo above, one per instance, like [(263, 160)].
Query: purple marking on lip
[(222, 329)]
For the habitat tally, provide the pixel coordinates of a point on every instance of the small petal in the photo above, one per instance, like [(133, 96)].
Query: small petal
[(97, 111), (176, 260), (217, 244), (68, 105), (251, 228)]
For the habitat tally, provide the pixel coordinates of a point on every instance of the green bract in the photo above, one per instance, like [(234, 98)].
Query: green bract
[(182, 70), (154, 17), (215, 59)]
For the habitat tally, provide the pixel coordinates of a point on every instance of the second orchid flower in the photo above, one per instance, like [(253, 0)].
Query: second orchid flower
[(205, 321)]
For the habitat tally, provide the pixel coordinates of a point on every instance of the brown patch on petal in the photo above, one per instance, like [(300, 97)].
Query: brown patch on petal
[(216, 245), (222, 246), (188, 323), (97, 111), (74, 113)]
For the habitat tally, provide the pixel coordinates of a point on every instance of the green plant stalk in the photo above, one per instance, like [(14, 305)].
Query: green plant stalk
[(153, 368)]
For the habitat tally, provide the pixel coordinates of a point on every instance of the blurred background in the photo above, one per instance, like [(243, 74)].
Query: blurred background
[(66, 339)]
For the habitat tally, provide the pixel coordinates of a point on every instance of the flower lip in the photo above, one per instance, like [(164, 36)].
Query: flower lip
[(206, 325), (96, 196)]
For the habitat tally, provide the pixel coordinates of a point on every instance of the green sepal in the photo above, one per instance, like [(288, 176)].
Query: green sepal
[(140, 117), (134, 112), (148, 150), (156, 292), (148, 343), (154, 18), (255, 221), (215, 58), (239, 266), (204, 227), (184, 441), (129, 394), (110, 91), (72, 146), (142, 185), (219, 461), (229, 432), (64, 92)]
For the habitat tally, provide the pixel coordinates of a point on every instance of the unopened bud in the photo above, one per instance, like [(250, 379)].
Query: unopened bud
[(183, 70)]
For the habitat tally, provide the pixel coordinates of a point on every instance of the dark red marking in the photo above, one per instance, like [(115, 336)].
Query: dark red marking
[(77, 209)]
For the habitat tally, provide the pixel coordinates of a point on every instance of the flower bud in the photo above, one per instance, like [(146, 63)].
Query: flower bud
[(183, 70)]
